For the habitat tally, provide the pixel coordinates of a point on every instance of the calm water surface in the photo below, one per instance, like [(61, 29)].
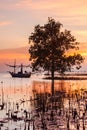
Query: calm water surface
[(15, 91)]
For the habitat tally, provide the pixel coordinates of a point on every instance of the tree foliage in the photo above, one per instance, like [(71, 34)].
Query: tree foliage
[(50, 44)]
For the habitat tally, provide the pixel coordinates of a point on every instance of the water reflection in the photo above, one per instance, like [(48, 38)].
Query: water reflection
[(66, 110), (29, 105)]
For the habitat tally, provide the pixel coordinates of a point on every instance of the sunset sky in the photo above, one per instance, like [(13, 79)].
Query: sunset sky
[(18, 18)]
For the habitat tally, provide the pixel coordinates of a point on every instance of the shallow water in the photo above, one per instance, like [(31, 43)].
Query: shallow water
[(19, 91)]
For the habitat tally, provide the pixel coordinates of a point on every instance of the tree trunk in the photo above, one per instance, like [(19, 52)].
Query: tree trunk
[(52, 75), (52, 84)]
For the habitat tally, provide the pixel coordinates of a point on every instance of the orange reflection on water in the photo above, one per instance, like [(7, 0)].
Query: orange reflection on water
[(25, 92), (45, 87), (61, 85), (15, 94)]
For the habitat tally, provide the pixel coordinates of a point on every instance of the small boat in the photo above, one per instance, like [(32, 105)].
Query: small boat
[(21, 73)]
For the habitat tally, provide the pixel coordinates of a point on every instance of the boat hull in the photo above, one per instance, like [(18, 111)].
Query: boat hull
[(20, 75)]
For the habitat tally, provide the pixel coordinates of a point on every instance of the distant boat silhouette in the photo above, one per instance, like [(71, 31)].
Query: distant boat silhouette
[(19, 74)]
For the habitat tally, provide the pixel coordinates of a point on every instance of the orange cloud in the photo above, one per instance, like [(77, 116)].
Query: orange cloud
[(84, 53), (53, 7), (13, 56), (4, 23), (18, 53), (55, 4)]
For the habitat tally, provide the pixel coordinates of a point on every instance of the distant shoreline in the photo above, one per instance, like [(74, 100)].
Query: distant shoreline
[(66, 78)]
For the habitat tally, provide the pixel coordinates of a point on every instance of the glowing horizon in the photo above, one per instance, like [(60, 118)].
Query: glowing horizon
[(19, 17), (22, 56)]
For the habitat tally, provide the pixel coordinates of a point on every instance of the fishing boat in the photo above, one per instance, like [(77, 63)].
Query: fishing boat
[(21, 73)]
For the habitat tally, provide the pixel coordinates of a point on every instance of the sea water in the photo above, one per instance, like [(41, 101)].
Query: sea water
[(19, 91)]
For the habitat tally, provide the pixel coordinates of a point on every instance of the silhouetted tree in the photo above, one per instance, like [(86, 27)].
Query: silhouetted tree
[(49, 45)]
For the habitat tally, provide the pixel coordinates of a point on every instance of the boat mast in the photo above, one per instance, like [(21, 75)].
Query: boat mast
[(2, 92), (14, 65), (21, 68)]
